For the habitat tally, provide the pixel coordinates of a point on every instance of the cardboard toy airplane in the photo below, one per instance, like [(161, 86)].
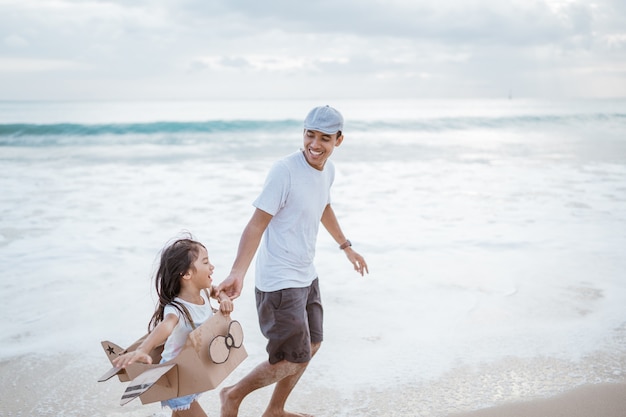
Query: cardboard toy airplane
[(212, 351)]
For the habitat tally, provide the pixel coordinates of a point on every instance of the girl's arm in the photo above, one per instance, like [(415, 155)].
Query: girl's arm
[(156, 337)]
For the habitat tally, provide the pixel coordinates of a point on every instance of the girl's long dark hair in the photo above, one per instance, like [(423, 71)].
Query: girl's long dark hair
[(176, 260)]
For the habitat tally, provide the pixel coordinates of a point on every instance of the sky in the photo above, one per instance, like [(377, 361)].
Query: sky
[(285, 49)]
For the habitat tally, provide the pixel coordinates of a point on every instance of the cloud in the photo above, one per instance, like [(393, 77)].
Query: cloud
[(615, 41), (15, 41), (521, 22), (21, 65), (392, 47)]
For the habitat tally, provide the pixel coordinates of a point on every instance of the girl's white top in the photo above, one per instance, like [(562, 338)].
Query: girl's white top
[(176, 341)]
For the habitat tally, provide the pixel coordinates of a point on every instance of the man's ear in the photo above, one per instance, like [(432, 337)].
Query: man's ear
[(339, 139)]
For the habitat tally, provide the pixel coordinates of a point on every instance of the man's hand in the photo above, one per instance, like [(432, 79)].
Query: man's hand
[(357, 260), (231, 286)]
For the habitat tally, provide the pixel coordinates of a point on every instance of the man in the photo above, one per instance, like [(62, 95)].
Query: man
[(293, 202)]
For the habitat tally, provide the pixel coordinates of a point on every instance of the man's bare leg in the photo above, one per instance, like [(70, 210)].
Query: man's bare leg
[(263, 375), (276, 407)]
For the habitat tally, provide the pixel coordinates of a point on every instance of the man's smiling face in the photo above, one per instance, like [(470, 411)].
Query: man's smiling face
[(318, 147)]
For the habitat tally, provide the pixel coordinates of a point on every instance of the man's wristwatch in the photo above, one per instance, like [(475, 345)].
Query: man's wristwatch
[(345, 244)]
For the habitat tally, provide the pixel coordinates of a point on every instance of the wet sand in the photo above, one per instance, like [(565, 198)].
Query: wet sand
[(601, 400), (66, 386)]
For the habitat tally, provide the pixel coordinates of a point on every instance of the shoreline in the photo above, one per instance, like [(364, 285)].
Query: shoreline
[(66, 385)]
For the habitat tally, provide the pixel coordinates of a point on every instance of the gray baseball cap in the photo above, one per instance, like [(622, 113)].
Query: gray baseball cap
[(324, 119)]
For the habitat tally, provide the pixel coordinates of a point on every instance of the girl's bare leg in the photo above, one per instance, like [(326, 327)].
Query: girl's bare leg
[(194, 411)]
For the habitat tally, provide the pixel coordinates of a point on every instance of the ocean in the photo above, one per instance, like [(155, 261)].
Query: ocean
[(494, 231)]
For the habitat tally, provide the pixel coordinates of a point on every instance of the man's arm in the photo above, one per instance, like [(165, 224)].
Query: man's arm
[(248, 244), (329, 220)]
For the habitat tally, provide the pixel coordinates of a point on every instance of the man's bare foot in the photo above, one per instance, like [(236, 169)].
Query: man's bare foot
[(230, 407)]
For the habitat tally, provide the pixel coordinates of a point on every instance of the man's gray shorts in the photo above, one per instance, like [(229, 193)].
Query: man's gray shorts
[(291, 319)]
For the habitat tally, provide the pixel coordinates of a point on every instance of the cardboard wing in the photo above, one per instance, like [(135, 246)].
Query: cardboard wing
[(153, 377), (193, 370)]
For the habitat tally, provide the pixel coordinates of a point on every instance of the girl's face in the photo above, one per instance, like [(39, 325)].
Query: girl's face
[(201, 277)]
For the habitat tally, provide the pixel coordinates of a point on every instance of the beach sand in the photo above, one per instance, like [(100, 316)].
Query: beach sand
[(65, 385), (599, 400)]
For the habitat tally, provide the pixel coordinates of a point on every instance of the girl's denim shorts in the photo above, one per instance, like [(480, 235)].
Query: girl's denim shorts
[(180, 403)]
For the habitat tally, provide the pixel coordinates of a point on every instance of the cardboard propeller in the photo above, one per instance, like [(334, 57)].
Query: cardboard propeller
[(220, 346), (197, 368)]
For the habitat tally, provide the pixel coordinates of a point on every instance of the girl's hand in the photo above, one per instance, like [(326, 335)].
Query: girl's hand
[(226, 304), (129, 358)]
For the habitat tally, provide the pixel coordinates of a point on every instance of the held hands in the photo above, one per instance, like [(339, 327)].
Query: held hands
[(226, 304), (129, 358), (231, 287), (357, 260)]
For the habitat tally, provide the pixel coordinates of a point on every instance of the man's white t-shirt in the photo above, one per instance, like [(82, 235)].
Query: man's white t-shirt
[(295, 194), (199, 314)]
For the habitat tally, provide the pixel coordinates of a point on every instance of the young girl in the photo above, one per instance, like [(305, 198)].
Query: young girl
[(181, 281)]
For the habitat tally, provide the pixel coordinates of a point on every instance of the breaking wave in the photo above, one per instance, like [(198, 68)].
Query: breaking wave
[(173, 132)]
